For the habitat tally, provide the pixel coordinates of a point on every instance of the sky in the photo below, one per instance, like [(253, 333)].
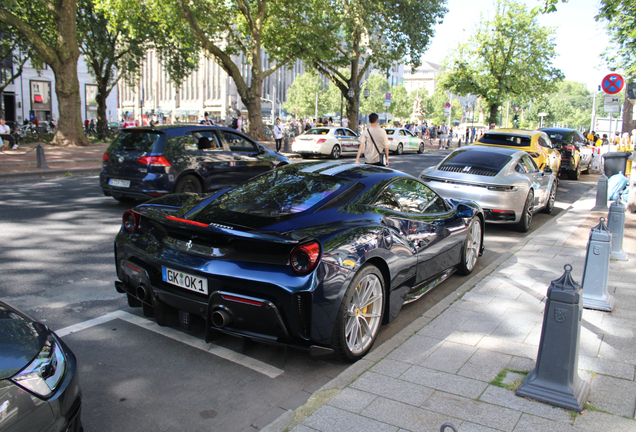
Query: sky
[(580, 40)]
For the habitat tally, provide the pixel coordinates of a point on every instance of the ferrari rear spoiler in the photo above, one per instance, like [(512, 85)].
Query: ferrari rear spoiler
[(173, 220)]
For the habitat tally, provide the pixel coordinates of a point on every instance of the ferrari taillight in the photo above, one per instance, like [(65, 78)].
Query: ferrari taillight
[(305, 258), (131, 220)]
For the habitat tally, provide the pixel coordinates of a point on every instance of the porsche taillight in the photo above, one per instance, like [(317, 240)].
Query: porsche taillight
[(130, 220), (304, 258)]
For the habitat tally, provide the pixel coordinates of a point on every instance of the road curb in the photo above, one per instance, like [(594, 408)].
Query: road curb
[(49, 173), (351, 373)]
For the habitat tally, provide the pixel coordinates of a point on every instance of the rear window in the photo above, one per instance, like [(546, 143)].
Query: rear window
[(505, 139), (137, 141), (275, 194), (476, 159), (563, 137), (317, 131), (390, 131)]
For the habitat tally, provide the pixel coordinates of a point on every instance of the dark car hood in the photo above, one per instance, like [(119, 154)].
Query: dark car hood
[(21, 339)]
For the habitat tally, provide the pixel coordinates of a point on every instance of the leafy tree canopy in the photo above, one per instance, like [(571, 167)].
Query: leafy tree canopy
[(620, 17), (508, 56)]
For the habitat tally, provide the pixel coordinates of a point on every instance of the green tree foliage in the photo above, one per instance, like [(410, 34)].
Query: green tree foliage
[(370, 34), (620, 17), (301, 96), (232, 28), (378, 87), (50, 28), (508, 57), (401, 102), (111, 50)]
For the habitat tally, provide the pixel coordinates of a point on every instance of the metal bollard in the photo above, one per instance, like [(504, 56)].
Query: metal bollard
[(616, 224), (41, 159), (555, 378), (447, 425), (596, 270), (286, 144), (601, 194)]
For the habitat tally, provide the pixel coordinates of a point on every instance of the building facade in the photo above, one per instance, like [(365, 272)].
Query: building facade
[(424, 77), (209, 89), (32, 94)]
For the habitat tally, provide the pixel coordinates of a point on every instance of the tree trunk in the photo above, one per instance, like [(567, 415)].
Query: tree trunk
[(351, 113), (70, 130), (255, 117), (494, 114), (100, 98)]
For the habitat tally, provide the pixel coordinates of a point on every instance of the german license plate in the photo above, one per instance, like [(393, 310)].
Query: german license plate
[(119, 183), (184, 280)]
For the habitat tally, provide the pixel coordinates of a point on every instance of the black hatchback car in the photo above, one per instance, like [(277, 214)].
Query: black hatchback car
[(39, 387), (147, 162)]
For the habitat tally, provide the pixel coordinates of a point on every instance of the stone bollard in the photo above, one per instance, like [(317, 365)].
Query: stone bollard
[(616, 224), (41, 159), (601, 194), (596, 270), (555, 378)]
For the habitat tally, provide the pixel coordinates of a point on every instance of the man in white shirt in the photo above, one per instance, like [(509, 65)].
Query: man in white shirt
[(373, 142), (5, 134), (345, 122)]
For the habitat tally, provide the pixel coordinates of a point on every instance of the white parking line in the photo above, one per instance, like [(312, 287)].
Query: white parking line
[(224, 353)]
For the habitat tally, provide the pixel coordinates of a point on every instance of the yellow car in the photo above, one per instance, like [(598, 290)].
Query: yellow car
[(536, 143)]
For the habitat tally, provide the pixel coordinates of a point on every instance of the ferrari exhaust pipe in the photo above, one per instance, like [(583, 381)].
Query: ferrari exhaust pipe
[(141, 292), (221, 318)]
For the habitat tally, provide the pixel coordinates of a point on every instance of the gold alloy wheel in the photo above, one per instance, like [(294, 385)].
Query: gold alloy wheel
[(364, 314)]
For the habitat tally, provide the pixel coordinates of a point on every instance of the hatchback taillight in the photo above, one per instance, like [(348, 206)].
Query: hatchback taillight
[(154, 161), (305, 258), (105, 157), (131, 220)]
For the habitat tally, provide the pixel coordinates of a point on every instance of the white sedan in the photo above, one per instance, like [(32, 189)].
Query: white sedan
[(326, 140), (401, 140)]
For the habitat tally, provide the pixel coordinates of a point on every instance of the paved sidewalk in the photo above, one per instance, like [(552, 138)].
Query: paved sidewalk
[(441, 367)]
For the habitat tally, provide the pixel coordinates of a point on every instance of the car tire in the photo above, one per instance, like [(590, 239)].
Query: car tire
[(549, 205), (358, 321), (421, 149), (188, 184), (399, 149), (526, 218), (575, 174), (471, 248), (335, 152)]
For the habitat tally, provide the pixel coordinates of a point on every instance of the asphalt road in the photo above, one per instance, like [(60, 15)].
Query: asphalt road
[(57, 265)]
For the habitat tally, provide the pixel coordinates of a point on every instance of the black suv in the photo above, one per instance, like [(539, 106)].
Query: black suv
[(146, 162)]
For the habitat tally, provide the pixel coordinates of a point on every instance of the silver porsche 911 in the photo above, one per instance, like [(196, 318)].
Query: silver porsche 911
[(506, 183)]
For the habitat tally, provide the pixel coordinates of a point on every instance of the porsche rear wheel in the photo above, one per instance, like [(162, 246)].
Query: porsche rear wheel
[(360, 315), (526, 217), (471, 249)]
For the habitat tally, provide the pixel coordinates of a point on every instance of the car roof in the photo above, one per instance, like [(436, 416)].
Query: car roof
[(522, 132), (174, 130), (367, 174)]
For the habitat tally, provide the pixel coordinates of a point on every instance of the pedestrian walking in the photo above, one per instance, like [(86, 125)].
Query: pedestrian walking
[(345, 122), (443, 135), (207, 120), (237, 123), (278, 134), (373, 143)]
